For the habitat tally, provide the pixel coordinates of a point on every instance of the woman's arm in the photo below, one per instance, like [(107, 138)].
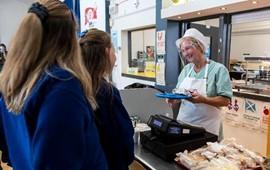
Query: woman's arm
[(217, 101), (223, 89)]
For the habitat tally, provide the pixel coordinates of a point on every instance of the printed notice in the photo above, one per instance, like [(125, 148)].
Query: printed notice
[(160, 73), (265, 116), (234, 111), (160, 42), (252, 117)]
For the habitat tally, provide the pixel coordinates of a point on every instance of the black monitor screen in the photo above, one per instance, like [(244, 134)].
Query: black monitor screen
[(157, 123), (174, 130)]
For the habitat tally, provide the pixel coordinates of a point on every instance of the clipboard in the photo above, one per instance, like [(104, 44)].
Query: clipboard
[(172, 96)]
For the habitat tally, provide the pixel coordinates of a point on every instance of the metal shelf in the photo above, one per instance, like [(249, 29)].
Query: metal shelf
[(257, 58)]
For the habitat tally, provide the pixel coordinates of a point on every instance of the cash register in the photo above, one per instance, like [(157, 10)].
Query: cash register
[(168, 137)]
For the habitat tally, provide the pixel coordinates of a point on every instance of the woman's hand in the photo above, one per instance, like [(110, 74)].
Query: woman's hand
[(217, 101), (197, 97), (172, 102)]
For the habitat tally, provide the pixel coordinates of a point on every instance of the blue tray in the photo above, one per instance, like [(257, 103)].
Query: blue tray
[(172, 96)]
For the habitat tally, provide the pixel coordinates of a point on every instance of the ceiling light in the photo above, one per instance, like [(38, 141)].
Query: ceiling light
[(254, 2), (223, 8), (199, 13), (175, 2), (179, 17)]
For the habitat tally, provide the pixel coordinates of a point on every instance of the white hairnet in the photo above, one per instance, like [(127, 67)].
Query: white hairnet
[(194, 33)]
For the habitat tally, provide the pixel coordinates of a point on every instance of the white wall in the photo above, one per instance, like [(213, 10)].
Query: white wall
[(149, 38), (11, 14), (255, 45), (250, 34), (130, 18), (136, 36)]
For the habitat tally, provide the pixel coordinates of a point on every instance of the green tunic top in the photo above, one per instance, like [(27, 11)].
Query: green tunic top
[(218, 79)]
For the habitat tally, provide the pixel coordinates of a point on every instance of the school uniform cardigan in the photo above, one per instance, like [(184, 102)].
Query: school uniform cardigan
[(115, 128), (55, 129)]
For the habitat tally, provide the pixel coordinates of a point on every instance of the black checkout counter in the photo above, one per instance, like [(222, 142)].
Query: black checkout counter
[(167, 137), (151, 161)]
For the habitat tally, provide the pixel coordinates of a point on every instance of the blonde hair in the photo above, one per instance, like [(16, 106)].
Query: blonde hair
[(195, 42), (35, 47)]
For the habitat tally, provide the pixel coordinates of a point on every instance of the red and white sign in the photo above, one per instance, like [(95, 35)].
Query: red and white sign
[(234, 110), (92, 14), (160, 42), (265, 113)]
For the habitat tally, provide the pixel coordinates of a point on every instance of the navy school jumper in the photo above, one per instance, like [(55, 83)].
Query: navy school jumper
[(115, 128), (55, 130)]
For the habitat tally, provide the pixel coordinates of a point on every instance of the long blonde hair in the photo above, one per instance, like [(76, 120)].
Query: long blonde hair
[(38, 45)]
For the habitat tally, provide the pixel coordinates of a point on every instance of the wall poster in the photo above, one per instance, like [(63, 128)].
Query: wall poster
[(251, 116), (160, 71), (265, 114), (114, 37), (93, 14), (160, 37)]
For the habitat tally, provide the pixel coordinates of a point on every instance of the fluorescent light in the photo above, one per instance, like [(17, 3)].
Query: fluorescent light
[(254, 2)]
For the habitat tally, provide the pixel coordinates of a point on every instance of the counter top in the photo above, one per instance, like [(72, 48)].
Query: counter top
[(251, 95), (151, 161)]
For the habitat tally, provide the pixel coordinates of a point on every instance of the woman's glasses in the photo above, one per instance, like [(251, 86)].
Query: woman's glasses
[(186, 48)]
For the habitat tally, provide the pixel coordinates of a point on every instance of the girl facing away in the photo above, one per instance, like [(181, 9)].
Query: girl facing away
[(113, 122), (47, 100)]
